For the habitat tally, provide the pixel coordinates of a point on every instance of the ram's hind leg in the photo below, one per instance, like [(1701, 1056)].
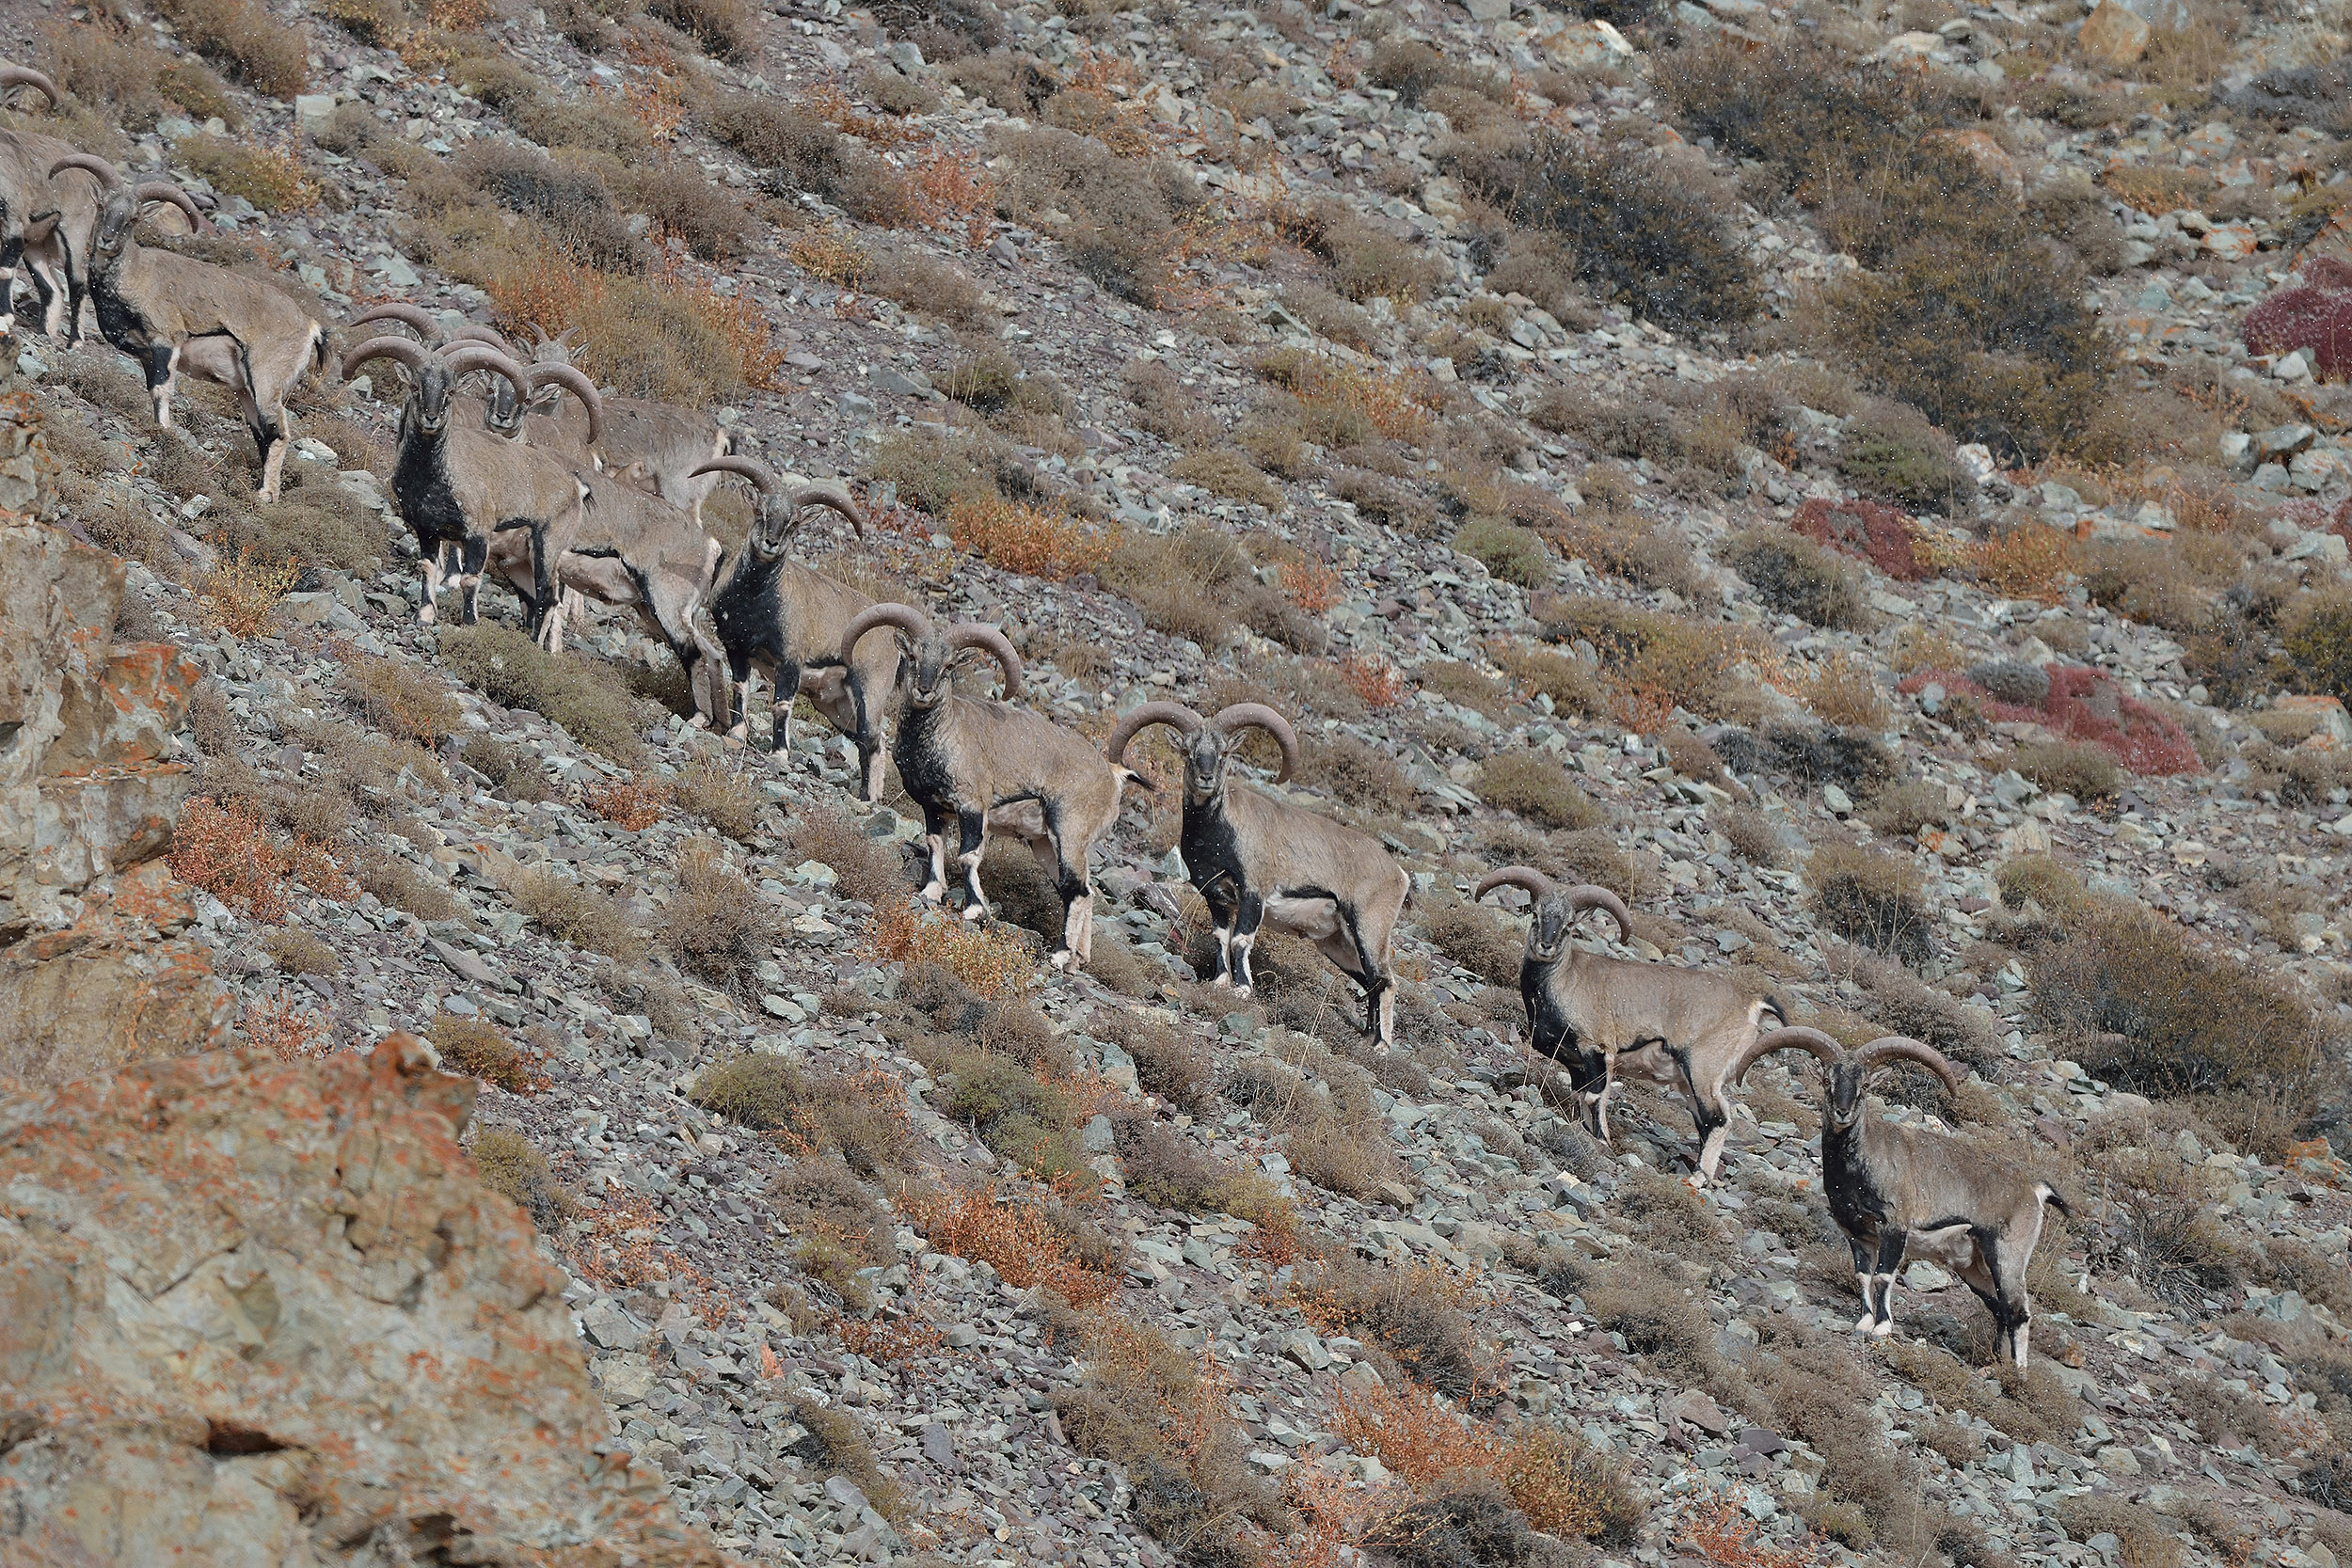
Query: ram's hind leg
[(1710, 1117)]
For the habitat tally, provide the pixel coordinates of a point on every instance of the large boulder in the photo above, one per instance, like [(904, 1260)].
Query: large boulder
[(259, 1312)]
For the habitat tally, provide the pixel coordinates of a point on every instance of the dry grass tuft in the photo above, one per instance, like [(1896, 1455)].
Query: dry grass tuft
[(472, 1047), (1414, 1314), (242, 37), (990, 961), (717, 927), (511, 1168), (1531, 785), (507, 667), (579, 916), (867, 869)]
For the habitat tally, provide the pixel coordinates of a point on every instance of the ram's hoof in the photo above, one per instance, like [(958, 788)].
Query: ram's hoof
[(1885, 1327), (932, 893), (1865, 1323), (975, 912)]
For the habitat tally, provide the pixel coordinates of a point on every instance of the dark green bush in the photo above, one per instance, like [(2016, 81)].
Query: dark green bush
[(2317, 637), (1796, 576), (1636, 234)]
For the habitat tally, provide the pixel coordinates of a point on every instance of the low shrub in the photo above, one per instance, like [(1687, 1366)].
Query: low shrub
[(1413, 1313), (726, 29), (471, 1046), (2153, 1010), (245, 39), (716, 925), (1893, 452), (1638, 234), (1753, 837), (2069, 767), (1813, 754), (1473, 938), (1568, 682), (1873, 898), (577, 914), (1531, 785), (1859, 528), (511, 1168), (1796, 576), (1169, 1063), (2145, 1537), (1022, 1119), (832, 1444), (1358, 773), (507, 667), (1665, 658), (2316, 634), (397, 885), (273, 181), (1509, 552), (868, 869), (1224, 472), (1144, 1405)]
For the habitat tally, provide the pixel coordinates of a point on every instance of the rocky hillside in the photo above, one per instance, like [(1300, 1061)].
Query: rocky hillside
[(1868, 484)]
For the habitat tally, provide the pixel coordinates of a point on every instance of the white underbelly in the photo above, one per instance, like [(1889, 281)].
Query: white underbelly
[(1312, 918)]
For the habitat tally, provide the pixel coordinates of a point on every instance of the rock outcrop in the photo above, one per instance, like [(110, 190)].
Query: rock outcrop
[(90, 974), (258, 1312)]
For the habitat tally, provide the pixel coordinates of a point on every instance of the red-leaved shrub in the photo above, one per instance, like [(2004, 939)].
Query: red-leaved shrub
[(1874, 532), (2084, 704), (2316, 315)]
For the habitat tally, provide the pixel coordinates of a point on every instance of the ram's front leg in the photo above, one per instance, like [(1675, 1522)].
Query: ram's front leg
[(433, 562), (972, 830), (1248, 915), (936, 848), (163, 366)]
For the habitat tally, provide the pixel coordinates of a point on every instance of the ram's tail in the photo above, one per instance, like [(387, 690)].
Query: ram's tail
[(2051, 1197)]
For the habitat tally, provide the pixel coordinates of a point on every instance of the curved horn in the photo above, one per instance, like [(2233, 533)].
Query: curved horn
[(833, 496), (904, 616), (763, 478), (1584, 895), (1798, 1038), (407, 349), (15, 76), (413, 316), (97, 168), (1535, 882), (1176, 716), (1888, 1048), (575, 382), (1245, 716), (978, 634), (470, 358), (165, 191), (474, 332)]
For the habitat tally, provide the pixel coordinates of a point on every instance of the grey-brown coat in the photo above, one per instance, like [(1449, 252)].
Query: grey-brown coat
[(990, 768), (1611, 1021)]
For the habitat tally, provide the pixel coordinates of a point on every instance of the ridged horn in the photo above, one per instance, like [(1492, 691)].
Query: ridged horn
[(15, 76), (1584, 895), (1176, 716), (1795, 1039), (833, 496), (407, 349), (576, 383), (978, 634), (97, 168), (763, 478), (468, 358), (165, 191), (1889, 1048), (415, 317), (1257, 715), (1536, 884), (474, 332), (903, 616)]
